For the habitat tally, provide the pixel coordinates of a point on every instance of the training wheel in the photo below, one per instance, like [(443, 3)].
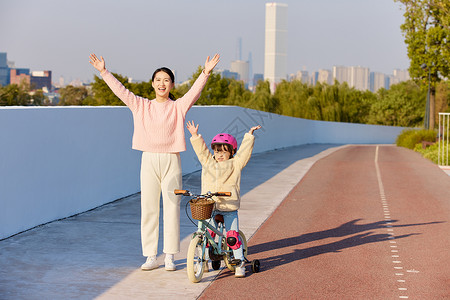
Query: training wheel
[(255, 266), (215, 264)]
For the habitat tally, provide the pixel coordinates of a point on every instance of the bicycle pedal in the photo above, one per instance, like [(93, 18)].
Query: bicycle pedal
[(235, 261)]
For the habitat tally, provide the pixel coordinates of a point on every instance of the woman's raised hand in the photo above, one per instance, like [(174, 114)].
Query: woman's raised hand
[(99, 64), (210, 64)]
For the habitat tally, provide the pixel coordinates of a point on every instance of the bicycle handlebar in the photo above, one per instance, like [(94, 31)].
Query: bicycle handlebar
[(209, 194)]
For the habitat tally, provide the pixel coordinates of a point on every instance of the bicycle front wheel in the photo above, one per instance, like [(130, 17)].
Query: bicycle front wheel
[(195, 259)]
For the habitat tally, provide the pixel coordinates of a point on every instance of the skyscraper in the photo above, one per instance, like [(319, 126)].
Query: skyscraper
[(242, 68), (275, 54)]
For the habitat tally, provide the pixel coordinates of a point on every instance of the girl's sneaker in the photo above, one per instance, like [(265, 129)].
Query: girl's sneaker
[(150, 264), (240, 270), (169, 263)]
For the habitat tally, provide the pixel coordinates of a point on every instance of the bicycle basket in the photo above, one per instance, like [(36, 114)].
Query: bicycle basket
[(201, 209)]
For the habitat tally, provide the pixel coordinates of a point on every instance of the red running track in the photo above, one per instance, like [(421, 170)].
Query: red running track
[(366, 222)]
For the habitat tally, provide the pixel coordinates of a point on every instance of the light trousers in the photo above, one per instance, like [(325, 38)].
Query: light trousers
[(231, 220), (160, 173)]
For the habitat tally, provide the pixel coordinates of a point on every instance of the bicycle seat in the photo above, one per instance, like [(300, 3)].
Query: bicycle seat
[(219, 218)]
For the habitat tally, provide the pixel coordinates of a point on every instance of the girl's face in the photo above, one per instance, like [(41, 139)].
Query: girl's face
[(162, 84), (221, 153)]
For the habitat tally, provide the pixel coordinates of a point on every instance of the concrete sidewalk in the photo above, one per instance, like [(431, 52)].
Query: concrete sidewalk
[(97, 254)]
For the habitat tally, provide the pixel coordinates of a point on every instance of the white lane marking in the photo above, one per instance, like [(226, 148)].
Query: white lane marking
[(389, 228)]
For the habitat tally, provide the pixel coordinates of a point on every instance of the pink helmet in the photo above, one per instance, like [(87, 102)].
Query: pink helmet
[(225, 138)]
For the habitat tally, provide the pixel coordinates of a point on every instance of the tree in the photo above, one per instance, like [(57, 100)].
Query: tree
[(103, 95), (38, 98), (71, 95), (15, 94), (427, 35), (401, 105)]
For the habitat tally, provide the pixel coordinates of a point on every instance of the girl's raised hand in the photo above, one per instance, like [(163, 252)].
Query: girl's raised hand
[(254, 128), (99, 64), (192, 128), (210, 64)]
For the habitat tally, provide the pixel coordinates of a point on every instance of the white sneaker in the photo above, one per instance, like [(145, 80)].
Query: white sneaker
[(240, 270), (150, 264), (169, 264)]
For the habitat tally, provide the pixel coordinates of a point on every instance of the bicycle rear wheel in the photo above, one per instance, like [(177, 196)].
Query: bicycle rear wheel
[(228, 258), (195, 259)]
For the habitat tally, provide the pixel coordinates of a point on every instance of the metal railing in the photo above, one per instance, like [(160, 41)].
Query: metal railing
[(444, 130)]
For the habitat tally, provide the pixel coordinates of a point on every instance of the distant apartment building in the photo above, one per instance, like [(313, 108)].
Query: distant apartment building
[(377, 81), (257, 77), (229, 74), (4, 69), (399, 76), (275, 52), (302, 76), (341, 74), (356, 77), (41, 79), (18, 76), (242, 68), (325, 76), (360, 78)]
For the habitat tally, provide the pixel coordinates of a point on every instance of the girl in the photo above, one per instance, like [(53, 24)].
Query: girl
[(159, 134), (221, 172)]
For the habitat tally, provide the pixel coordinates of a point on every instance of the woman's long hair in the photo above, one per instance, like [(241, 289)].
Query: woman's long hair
[(168, 72)]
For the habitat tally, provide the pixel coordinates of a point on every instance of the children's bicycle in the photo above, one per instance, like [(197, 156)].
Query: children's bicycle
[(210, 244)]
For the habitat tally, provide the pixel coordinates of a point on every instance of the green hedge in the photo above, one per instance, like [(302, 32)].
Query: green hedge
[(409, 138)]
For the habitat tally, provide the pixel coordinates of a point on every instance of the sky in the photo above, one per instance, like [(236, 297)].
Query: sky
[(137, 36)]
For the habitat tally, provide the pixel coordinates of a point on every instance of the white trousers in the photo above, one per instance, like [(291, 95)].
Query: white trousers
[(160, 173)]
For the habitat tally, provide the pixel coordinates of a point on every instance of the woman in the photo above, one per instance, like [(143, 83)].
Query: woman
[(159, 134)]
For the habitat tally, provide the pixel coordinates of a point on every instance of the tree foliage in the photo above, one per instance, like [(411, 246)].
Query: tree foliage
[(71, 95), (427, 35)]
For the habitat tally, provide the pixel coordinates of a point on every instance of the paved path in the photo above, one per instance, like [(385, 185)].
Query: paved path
[(366, 222), (97, 254)]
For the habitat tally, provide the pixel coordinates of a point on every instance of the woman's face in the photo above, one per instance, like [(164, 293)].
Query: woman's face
[(162, 84)]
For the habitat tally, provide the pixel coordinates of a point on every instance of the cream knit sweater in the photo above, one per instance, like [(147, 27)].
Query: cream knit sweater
[(223, 176), (158, 127)]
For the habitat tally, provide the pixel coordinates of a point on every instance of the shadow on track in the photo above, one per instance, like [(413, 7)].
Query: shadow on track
[(341, 231)]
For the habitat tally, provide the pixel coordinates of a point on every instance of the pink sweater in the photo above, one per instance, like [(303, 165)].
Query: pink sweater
[(158, 127)]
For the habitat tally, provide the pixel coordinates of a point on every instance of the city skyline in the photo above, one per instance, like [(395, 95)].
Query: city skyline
[(320, 35)]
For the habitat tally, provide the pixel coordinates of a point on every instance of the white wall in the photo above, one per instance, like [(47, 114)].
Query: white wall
[(59, 161)]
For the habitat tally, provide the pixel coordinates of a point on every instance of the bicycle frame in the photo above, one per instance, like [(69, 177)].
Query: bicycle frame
[(202, 227)]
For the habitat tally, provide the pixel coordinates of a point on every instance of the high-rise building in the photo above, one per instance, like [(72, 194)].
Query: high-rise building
[(302, 76), (4, 70), (341, 74), (325, 76), (377, 81), (359, 78), (275, 53), (399, 76), (242, 68)]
